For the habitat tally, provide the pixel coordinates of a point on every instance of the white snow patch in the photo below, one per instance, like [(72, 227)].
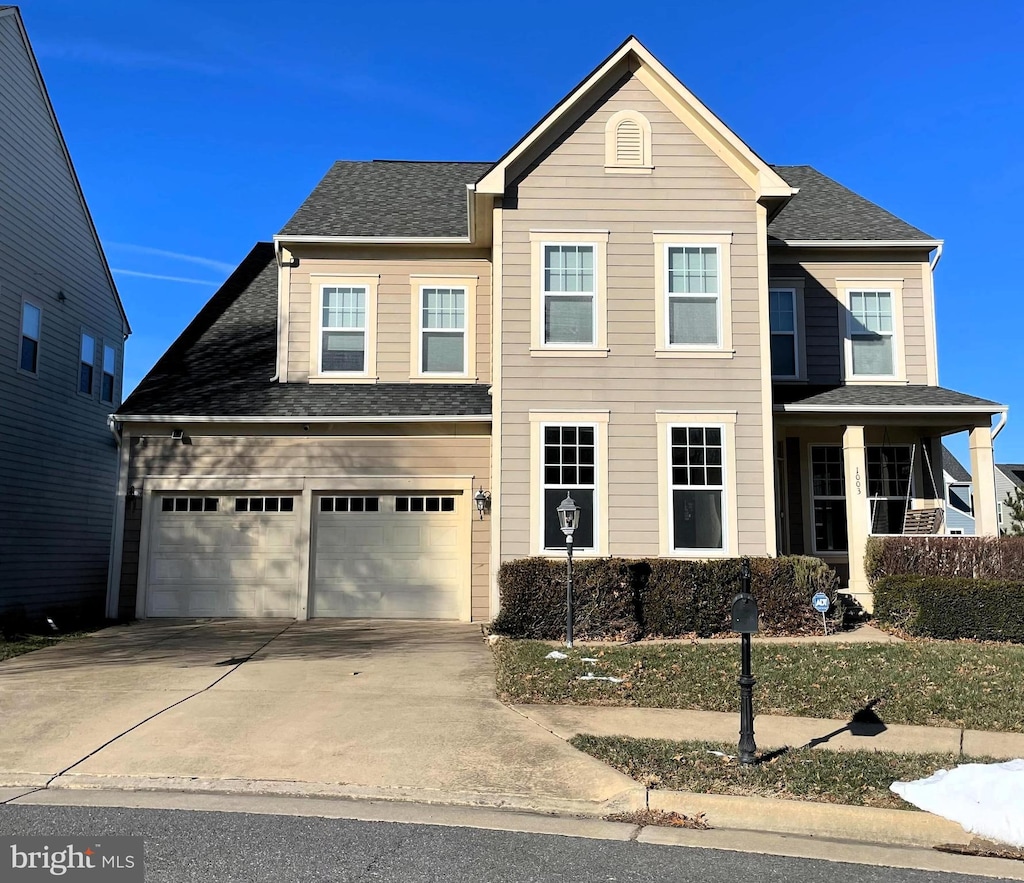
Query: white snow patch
[(983, 797), (590, 676), (557, 654), (588, 659)]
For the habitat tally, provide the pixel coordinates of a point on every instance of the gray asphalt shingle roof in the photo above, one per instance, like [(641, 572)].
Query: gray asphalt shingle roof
[(826, 210), (870, 396), (1013, 471), (222, 364), (953, 466), (388, 198)]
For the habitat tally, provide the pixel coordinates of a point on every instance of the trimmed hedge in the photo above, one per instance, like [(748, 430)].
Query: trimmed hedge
[(627, 599), (990, 558), (952, 607)]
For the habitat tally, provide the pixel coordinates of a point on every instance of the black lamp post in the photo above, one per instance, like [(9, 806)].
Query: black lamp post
[(744, 621), (568, 519)]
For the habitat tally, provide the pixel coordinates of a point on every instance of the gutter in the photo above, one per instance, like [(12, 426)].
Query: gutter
[(999, 425), (938, 256), (892, 409), (377, 240), (859, 243)]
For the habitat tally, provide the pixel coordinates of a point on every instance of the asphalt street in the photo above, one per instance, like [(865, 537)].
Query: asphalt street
[(223, 847)]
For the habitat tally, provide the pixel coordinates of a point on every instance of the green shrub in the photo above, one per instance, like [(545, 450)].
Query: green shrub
[(970, 557), (952, 607), (664, 597)]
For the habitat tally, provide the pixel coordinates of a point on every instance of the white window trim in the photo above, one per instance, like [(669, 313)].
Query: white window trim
[(318, 282), (104, 346), (663, 241), (611, 164), (539, 420), (726, 421), (598, 239), (811, 496), (96, 345), (38, 340), (796, 286), (895, 288), (467, 284)]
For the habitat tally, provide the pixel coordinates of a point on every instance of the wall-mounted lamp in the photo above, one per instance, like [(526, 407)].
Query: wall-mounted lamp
[(132, 496), (61, 297), (134, 491), (483, 501)]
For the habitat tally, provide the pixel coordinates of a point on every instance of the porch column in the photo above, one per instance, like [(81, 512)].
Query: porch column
[(984, 480), (857, 526)]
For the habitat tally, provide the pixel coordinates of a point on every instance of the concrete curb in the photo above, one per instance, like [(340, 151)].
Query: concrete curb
[(826, 820), (633, 798), (24, 780)]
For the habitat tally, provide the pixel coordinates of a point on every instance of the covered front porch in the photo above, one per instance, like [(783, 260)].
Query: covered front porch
[(866, 460)]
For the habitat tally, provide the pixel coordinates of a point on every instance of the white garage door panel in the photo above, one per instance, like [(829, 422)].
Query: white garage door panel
[(222, 563), (388, 564)]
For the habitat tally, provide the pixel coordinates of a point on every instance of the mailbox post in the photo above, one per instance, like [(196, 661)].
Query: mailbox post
[(744, 621)]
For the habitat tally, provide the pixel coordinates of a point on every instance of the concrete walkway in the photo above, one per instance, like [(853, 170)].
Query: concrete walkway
[(771, 732), (329, 707)]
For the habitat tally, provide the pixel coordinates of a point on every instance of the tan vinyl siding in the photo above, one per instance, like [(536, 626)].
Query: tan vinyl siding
[(395, 265), (57, 458), (825, 312), (344, 452), (690, 188)]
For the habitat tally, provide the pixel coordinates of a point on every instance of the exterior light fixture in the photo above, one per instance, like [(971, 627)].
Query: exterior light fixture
[(483, 499), (568, 520)]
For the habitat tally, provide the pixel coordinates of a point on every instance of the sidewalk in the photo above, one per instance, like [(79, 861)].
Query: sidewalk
[(565, 721)]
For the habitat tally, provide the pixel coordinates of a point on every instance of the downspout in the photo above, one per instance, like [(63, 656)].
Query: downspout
[(938, 256), (117, 527), (1000, 424)]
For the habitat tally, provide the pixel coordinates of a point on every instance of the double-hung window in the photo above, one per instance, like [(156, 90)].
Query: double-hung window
[(828, 498), (569, 466), (782, 319), (872, 339), (570, 294), (87, 364), (889, 480), (697, 482), (694, 296), (343, 329), (31, 322), (107, 382), (443, 330)]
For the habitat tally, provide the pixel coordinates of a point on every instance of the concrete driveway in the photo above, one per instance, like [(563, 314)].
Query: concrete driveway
[(344, 707)]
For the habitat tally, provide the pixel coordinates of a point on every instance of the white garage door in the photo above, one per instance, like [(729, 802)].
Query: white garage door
[(223, 556), (390, 556)]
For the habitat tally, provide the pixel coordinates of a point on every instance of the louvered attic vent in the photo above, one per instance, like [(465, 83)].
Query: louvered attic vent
[(627, 143)]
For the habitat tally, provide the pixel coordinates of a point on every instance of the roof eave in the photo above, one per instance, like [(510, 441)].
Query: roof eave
[(980, 408), (855, 243), (396, 418), (285, 239)]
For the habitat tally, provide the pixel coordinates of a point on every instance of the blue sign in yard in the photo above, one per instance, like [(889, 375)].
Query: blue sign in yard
[(821, 602)]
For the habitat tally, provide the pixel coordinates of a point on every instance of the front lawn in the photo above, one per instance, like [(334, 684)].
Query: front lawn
[(934, 683), (857, 778)]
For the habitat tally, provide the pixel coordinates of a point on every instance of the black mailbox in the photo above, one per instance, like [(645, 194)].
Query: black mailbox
[(744, 613)]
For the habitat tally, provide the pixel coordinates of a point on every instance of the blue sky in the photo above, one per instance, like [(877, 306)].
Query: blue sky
[(198, 128)]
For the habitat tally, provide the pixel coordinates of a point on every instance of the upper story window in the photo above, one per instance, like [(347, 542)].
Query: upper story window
[(346, 313), (31, 327), (874, 320), (569, 312), (443, 331), (87, 364), (782, 313), (693, 291), (628, 143), (108, 381)]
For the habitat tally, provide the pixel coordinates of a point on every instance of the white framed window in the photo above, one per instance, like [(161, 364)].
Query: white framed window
[(108, 382), (828, 499), (697, 505), (31, 332), (442, 330), (873, 342), (569, 293), (627, 147), (346, 328), (889, 486), (87, 364), (785, 343), (569, 468), (693, 289)]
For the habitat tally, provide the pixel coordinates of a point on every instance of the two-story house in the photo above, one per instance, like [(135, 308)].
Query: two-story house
[(715, 356), (62, 333)]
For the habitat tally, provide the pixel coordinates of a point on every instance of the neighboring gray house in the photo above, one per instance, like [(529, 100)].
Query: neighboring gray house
[(959, 496), (1009, 476), (62, 333)]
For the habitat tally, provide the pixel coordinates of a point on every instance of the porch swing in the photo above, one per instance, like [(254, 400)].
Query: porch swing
[(917, 522)]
